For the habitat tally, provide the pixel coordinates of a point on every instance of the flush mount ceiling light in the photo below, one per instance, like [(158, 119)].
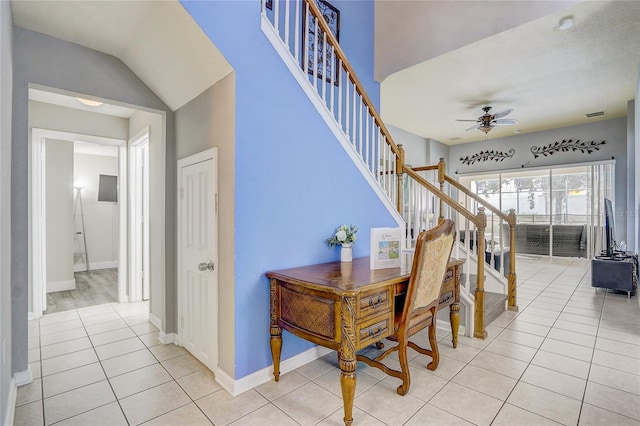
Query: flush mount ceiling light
[(89, 102), (565, 23)]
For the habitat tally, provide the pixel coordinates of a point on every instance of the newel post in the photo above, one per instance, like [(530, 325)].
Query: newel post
[(441, 174), (399, 172), (481, 224), (512, 304)]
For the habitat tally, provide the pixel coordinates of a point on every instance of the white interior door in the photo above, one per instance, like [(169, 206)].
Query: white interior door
[(198, 256), (139, 219)]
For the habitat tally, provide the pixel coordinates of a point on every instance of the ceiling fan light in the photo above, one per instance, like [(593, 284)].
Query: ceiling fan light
[(89, 102)]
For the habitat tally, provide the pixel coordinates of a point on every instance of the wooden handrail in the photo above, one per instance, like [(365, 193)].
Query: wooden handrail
[(424, 168), (450, 201), (484, 203), (331, 39)]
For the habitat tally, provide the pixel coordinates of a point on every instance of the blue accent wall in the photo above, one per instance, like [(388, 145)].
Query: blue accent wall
[(294, 182)]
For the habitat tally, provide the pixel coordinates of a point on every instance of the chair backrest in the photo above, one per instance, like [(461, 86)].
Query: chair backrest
[(432, 253)]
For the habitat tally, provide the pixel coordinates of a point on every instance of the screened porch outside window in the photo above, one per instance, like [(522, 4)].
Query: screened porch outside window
[(560, 210)]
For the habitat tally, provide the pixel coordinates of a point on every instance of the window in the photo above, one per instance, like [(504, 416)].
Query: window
[(565, 203)]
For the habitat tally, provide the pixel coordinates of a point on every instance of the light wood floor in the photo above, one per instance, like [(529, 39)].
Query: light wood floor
[(92, 288)]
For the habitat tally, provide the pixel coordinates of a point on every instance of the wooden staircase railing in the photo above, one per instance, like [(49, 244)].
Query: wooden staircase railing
[(510, 219), (323, 64), (438, 187)]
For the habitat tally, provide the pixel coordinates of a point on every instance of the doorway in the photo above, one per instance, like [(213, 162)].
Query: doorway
[(43, 232), (139, 219), (198, 256)]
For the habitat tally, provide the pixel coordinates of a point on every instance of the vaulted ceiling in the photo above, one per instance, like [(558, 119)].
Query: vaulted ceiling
[(157, 40)]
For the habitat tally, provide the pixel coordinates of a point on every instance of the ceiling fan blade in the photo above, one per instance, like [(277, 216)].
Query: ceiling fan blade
[(473, 127), (504, 122), (466, 120), (502, 113)]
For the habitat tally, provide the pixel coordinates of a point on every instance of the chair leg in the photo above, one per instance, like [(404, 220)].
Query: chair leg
[(435, 354), (404, 367)]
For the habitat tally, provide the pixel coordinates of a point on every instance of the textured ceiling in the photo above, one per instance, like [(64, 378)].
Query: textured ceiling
[(506, 54), (157, 40), (551, 78)]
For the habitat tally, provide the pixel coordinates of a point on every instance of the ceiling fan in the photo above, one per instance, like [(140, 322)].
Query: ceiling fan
[(488, 121)]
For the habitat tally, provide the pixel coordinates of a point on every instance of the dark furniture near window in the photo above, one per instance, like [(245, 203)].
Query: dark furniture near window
[(568, 240), (497, 258), (616, 273)]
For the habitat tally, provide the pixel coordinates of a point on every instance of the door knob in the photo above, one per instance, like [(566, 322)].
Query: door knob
[(209, 266)]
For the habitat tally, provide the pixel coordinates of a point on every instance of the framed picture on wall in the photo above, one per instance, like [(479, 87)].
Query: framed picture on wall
[(324, 60)]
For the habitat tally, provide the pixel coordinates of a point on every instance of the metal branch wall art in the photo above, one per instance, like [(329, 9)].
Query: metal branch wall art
[(566, 146), (487, 155)]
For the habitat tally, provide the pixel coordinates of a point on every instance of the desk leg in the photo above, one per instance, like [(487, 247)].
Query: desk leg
[(347, 356), (276, 350), (454, 318), (276, 332)]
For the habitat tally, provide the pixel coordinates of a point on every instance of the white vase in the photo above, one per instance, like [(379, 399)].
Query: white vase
[(346, 254)]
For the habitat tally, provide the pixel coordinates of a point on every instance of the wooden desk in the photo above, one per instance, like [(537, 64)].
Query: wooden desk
[(346, 307)]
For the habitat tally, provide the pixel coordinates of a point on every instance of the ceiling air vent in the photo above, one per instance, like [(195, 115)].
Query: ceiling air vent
[(595, 114), (454, 139)]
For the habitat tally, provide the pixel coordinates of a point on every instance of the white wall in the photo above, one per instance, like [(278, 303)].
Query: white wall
[(205, 122), (613, 132), (416, 148), (100, 218), (636, 205), (55, 117), (438, 150), (6, 312), (158, 299), (632, 176), (59, 214)]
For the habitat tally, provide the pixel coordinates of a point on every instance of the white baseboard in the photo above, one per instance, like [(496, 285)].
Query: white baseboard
[(167, 338), (11, 403), (23, 377), (236, 387), (81, 267), (155, 320), (61, 285)]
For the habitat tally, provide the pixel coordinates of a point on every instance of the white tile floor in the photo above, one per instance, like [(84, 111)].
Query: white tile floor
[(570, 356)]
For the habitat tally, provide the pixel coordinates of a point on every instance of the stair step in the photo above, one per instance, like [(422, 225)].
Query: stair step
[(494, 306), (494, 303)]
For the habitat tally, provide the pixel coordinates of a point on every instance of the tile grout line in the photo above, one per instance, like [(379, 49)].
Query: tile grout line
[(538, 349)]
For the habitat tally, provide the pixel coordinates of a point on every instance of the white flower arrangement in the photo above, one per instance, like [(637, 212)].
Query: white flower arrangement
[(343, 235)]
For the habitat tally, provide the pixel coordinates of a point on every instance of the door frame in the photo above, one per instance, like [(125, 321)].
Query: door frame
[(139, 216), (37, 250), (208, 154)]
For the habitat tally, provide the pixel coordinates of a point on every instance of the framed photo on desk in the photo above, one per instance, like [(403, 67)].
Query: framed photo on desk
[(385, 248)]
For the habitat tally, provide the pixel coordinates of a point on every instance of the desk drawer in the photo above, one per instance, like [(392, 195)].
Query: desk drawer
[(374, 302), (374, 329)]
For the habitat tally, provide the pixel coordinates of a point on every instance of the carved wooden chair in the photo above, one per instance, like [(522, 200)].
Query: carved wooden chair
[(432, 252)]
